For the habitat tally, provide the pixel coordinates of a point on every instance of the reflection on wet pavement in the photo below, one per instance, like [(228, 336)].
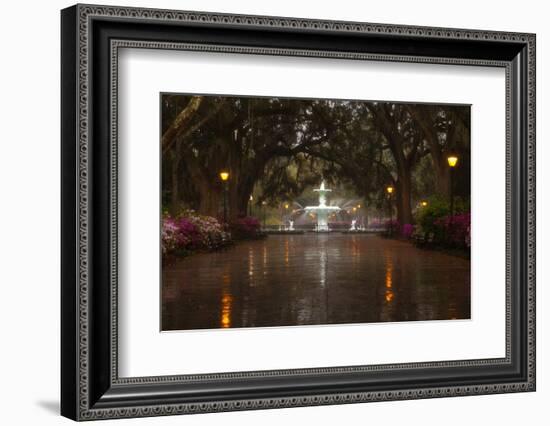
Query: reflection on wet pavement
[(314, 279)]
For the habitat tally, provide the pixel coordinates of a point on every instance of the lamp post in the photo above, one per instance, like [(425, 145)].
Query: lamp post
[(264, 203), (250, 205), (389, 190), (224, 176), (452, 160)]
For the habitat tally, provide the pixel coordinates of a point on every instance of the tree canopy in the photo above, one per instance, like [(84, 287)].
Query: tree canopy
[(278, 147)]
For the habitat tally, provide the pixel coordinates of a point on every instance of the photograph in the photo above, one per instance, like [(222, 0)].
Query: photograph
[(280, 211), (271, 208)]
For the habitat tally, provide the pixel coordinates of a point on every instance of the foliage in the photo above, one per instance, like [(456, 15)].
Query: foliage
[(407, 230), (434, 220), (436, 208), (392, 227), (275, 148), (246, 227), (456, 230), (189, 232)]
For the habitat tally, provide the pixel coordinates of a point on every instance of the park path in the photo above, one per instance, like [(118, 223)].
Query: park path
[(314, 279)]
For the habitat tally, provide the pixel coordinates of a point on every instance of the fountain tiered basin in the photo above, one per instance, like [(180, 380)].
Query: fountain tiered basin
[(322, 210), (320, 215)]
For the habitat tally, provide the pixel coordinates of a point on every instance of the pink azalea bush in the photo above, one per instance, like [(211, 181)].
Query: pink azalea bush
[(169, 235), (190, 232), (407, 230), (455, 229), (434, 222), (246, 227)]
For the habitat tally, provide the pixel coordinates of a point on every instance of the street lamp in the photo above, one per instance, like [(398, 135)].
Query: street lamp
[(250, 205), (452, 160), (389, 190), (264, 203), (224, 176), (423, 203)]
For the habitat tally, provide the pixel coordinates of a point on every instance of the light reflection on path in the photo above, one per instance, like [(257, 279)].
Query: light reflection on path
[(314, 279)]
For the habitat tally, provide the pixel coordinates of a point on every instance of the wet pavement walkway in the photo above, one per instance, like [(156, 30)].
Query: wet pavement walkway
[(314, 279)]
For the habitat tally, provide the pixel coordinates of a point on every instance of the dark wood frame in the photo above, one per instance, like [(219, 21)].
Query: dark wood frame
[(90, 386)]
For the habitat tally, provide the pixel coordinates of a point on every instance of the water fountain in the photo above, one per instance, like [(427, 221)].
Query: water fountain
[(322, 210)]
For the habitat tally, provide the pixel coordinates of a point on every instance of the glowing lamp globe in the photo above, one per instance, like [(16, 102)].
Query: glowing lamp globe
[(452, 160)]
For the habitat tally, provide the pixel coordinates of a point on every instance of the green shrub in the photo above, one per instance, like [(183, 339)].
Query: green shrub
[(438, 207), (426, 216)]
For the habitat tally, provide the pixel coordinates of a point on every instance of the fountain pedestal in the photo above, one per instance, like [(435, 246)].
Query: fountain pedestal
[(322, 220)]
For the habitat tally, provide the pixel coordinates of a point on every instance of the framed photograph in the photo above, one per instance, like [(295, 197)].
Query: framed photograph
[(263, 212)]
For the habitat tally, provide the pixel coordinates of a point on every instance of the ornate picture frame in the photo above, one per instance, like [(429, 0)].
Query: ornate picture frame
[(91, 386)]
